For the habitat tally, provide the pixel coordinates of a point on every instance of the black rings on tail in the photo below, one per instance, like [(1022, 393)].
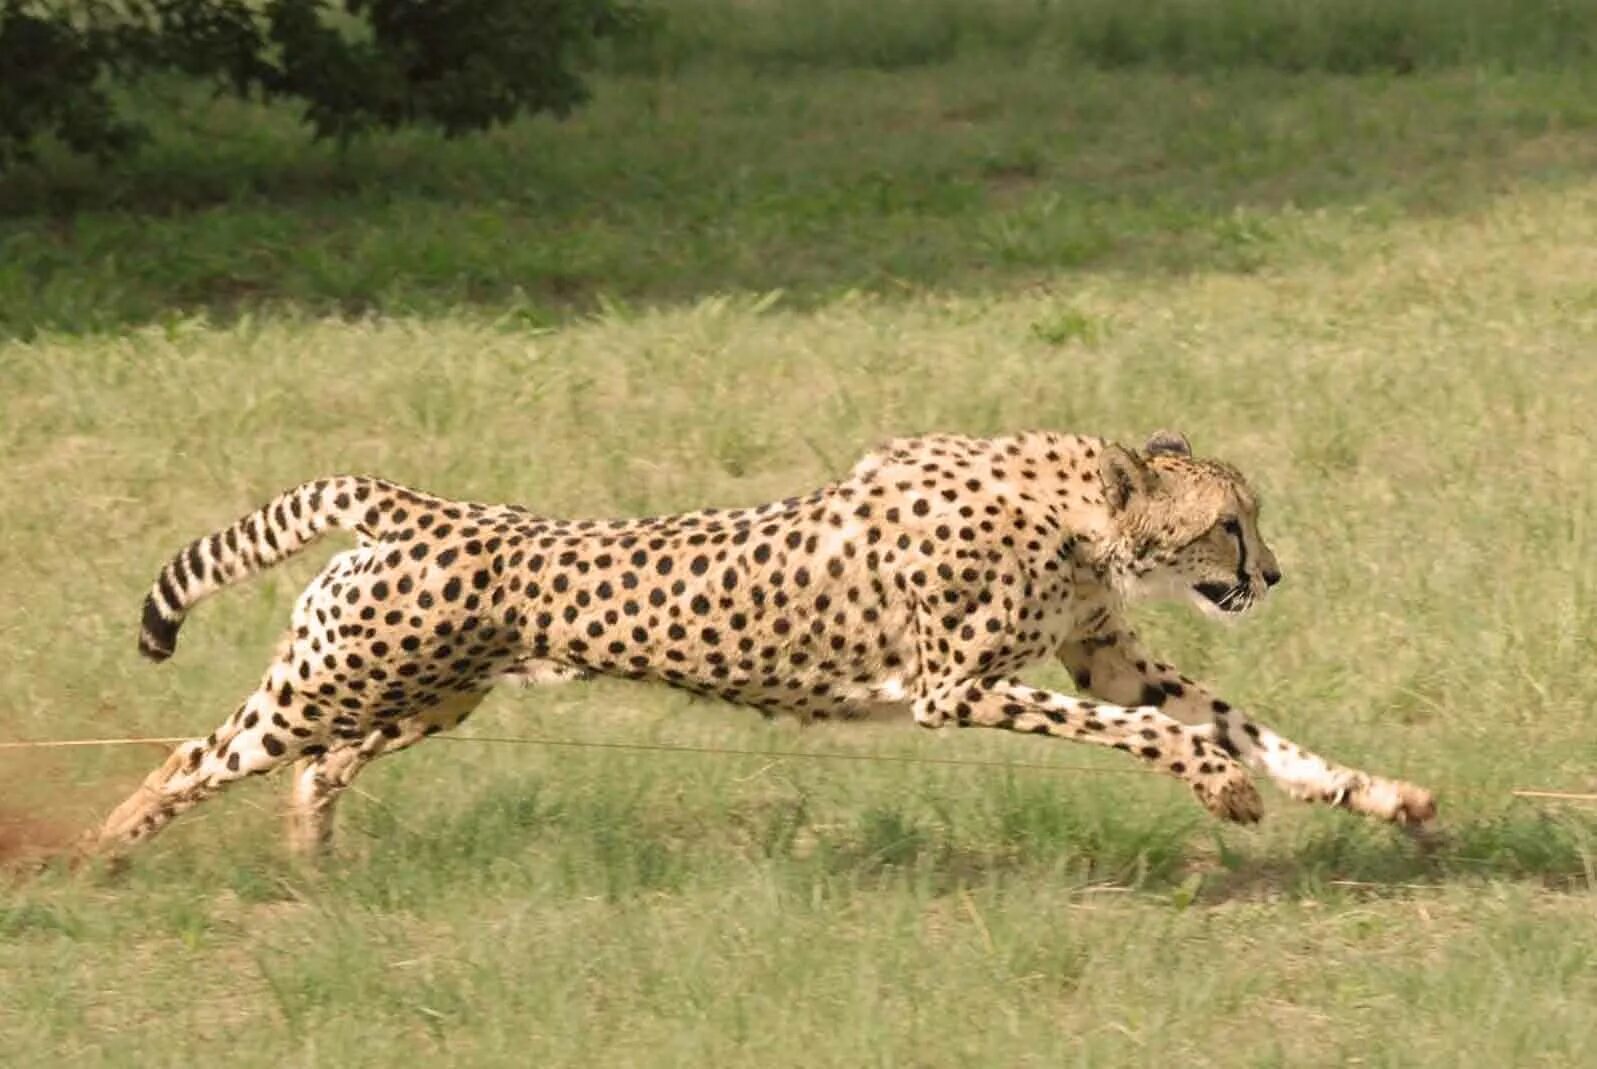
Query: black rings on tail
[(157, 634), (278, 529)]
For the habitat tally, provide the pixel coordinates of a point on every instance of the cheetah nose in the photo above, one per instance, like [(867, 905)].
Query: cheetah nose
[(1271, 577)]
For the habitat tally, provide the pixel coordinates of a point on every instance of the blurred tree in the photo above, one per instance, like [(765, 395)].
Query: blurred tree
[(459, 65)]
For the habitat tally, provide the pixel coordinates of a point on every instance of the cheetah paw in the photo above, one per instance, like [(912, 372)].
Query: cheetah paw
[(1399, 802), (1231, 796), (93, 853)]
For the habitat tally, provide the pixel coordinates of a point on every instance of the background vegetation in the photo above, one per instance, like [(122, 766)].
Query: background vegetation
[(766, 244)]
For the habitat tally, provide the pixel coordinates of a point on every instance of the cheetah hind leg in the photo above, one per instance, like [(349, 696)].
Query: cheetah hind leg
[(164, 793), (321, 779), (194, 771)]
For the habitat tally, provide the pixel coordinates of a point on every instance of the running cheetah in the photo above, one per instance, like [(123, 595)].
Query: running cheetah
[(916, 587)]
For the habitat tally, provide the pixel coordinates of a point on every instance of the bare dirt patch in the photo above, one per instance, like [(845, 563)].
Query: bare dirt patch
[(29, 838), (42, 808)]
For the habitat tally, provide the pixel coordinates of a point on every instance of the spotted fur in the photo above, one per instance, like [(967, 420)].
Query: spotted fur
[(915, 587)]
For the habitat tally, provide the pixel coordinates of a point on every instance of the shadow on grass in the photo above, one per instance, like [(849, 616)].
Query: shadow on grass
[(630, 835), (617, 849), (979, 172), (620, 842), (1556, 851)]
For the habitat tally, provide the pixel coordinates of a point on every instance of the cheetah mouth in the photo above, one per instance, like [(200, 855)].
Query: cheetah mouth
[(1227, 597)]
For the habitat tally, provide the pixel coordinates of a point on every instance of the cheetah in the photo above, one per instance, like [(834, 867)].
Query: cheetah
[(916, 587)]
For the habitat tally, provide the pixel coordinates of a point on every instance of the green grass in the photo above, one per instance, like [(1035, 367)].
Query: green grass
[(1375, 294), (1339, 36), (1415, 405), (985, 173)]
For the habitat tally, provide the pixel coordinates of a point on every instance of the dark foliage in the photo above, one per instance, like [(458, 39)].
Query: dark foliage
[(459, 65)]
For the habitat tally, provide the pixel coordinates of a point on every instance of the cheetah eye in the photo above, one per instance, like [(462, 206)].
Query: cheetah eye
[(1231, 526)]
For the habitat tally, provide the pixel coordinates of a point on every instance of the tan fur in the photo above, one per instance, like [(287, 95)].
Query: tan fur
[(916, 586)]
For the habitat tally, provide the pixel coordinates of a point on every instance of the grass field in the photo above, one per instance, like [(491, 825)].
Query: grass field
[(1376, 294)]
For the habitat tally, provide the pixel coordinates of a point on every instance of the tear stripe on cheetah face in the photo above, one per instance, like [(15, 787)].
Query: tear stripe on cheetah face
[(938, 565)]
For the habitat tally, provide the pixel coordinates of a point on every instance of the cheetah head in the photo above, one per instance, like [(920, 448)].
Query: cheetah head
[(1188, 528)]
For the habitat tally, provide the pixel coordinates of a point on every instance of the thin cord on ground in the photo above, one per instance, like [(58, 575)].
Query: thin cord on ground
[(823, 755), (47, 744), (725, 751)]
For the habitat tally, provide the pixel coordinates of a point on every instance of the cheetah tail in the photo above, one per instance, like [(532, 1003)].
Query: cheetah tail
[(278, 529)]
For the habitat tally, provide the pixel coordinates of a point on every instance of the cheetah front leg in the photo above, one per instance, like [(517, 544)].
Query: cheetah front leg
[(1183, 751), (1114, 666)]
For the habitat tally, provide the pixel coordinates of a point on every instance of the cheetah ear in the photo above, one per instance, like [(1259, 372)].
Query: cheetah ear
[(1167, 443), (1124, 475)]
